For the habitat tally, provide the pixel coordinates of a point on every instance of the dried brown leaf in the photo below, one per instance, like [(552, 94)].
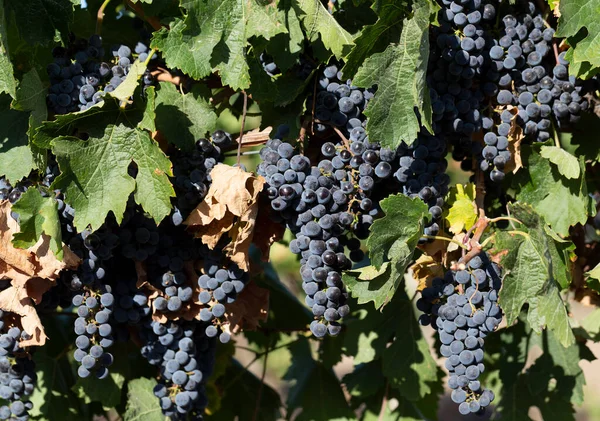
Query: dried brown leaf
[(515, 138), (229, 208), (249, 309), (31, 272), (425, 269)]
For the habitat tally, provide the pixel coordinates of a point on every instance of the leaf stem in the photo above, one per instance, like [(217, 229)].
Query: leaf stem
[(100, 17), (521, 233), (384, 402), (244, 111), (504, 218), (450, 240), (487, 240)]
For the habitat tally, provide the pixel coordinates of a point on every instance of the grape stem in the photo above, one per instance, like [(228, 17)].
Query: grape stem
[(338, 131), (384, 402), (243, 124), (450, 240), (504, 218), (100, 17), (260, 387)]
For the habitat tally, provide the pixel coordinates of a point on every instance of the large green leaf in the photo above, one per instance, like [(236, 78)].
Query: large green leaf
[(531, 265), (37, 215), (16, 160), (183, 118), (94, 172), (8, 83), (391, 245), (401, 105), (213, 37), (574, 16), (561, 201)]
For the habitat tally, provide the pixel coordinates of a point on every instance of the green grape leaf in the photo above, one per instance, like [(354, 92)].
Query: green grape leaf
[(574, 16), (31, 96), (391, 246), (38, 21), (251, 388), (8, 83), (148, 121), (37, 215), (316, 389), (462, 213), (319, 24), (402, 104), (107, 392), (183, 118), (94, 172), (407, 361), (531, 275), (584, 138), (562, 202), (566, 163), (16, 160), (142, 405), (213, 37), (376, 37), (394, 236)]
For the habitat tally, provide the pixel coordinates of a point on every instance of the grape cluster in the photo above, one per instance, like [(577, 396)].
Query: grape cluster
[(302, 70), (185, 356), (339, 103), (17, 372), (10, 192), (463, 308), (80, 78), (191, 172), (94, 331), (473, 63), (219, 286)]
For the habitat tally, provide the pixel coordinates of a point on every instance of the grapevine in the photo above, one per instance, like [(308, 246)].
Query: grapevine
[(207, 206)]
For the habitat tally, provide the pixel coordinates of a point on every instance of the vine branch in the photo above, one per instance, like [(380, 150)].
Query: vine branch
[(243, 124), (137, 9), (100, 17)]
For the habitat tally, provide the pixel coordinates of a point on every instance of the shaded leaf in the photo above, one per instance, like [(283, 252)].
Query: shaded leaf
[(16, 160), (183, 118), (8, 83)]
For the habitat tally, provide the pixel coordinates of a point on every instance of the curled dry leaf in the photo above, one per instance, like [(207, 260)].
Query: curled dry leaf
[(515, 138), (230, 208), (425, 269), (31, 273), (249, 310)]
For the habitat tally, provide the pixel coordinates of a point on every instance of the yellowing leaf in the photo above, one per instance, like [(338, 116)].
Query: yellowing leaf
[(230, 208), (463, 211)]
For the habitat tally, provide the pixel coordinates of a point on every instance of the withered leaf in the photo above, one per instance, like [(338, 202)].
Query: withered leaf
[(249, 309), (230, 208), (31, 273)]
